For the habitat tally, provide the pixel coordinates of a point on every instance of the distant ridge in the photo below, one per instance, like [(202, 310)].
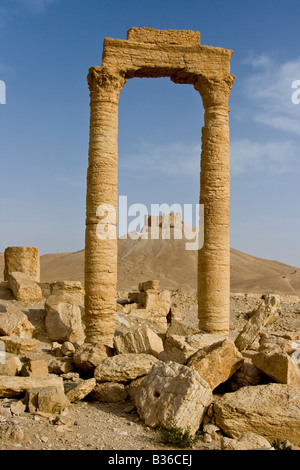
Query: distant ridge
[(175, 267)]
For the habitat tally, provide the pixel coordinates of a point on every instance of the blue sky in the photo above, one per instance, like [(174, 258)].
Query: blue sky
[(46, 49)]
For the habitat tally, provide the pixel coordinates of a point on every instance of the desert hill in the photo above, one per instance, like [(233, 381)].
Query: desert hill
[(175, 267)]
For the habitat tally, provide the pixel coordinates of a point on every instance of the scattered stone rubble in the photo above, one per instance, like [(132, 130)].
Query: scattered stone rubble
[(241, 390)]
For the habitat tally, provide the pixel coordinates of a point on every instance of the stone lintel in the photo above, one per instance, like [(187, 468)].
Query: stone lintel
[(169, 36), (163, 59)]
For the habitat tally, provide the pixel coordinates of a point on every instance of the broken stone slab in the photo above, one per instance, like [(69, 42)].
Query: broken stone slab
[(23, 287), (216, 363), (109, 392), (35, 368), (140, 340), (63, 320), (178, 328), (17, 407), (248, 441), (247, 374), (172, 392), (17, 386), (77, 391), (23, 259), (46, 400), (137, 318), (61, 365), (179, 348), (278, 365), (16, 345), (87, 356), (265, 312), (272, 411), (14, 321), (124, 367), (277, 343)]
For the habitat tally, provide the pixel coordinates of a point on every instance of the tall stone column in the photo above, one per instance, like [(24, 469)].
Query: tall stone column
[(102, 193), (214, 256)]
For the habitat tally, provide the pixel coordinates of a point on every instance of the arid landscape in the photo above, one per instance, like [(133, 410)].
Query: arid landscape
[(175, 267), (89, 423)]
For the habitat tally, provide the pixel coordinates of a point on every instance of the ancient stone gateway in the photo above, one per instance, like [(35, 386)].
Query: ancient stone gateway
[(153, 53)]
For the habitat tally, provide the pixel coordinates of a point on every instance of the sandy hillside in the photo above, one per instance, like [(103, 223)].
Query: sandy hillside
[(176, 267)]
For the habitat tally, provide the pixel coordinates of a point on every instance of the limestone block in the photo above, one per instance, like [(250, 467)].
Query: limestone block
[(216, 363), (16, 345), (71, 289), (159, 302), (278, 365), (48, 400), (35, 368), (133, 387), (23, 259), (248, 441), (272, 411), (153, 285), (67, 348), (17, 407), (80, 390), (14, 321), (63, 320), (109, 392), (180, 348), (140, 340), (17, 386), (173, 392), (88, 356), (11, 366), (124, 367), (169, 36), (24, 287), (264, 313)]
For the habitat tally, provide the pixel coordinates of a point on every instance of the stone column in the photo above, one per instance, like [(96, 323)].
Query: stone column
[(214, 257), (102, 192)]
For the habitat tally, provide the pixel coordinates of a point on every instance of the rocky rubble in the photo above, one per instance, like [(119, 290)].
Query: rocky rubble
[(239, 392)]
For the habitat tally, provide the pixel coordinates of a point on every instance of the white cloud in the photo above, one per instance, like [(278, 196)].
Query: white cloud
[(271, 89), (260, 61), (276, 157)]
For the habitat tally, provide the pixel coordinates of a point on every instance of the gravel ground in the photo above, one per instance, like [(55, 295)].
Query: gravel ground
[(89, 425)]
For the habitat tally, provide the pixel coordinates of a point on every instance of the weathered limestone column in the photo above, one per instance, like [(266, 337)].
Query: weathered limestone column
[(214, 257), (102, 180)]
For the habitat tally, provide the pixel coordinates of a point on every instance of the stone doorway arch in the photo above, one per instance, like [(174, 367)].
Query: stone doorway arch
[(176, 54)]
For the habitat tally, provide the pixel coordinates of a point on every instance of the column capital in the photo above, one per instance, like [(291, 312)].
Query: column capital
[(214, 92), (102, 81)]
